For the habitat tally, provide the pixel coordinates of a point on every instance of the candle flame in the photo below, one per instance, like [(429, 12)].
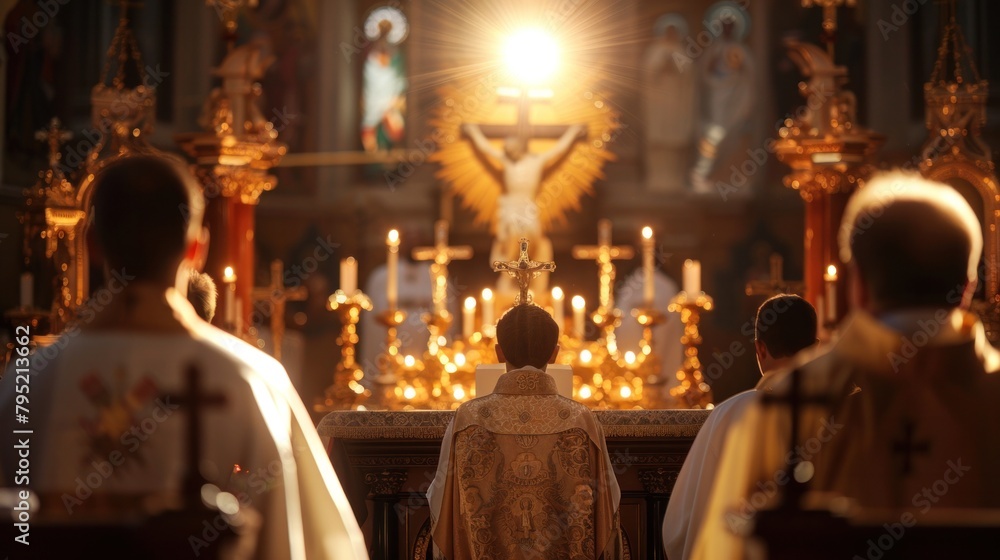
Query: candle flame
[(487, 294), (228, 275), (831, 271), (626, 391), (409, 361), (393, 236), (458, 392), (585, 356), (585, 392), (557, 293), (459, 359), (630, 357), (647, 232), (578, 302), (470, 303), (409, 392)]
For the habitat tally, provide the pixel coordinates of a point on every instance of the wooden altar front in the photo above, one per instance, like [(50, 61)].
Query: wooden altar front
[(387, 460)]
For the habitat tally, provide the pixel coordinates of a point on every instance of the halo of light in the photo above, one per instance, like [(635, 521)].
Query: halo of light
[(531, 55)]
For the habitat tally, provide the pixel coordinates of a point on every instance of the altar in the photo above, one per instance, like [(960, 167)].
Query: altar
[(386, 461)]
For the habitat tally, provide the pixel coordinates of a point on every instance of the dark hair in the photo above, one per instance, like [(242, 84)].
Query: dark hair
[(202, 294), (785, 324), (528, 335), (915, 242), (144, 208)]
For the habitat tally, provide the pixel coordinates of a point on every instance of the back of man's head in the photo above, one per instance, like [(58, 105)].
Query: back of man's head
[(146, 210), (202, 294), (915, 242), (785, 325), (527, 336)]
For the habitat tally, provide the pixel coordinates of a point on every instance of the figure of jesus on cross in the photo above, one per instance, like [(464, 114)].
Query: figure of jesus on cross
[(521, 171)]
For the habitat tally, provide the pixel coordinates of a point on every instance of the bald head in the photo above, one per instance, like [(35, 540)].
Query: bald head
[(914, 242)]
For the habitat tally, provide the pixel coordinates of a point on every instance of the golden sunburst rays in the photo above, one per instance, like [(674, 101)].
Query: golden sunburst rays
[(476, 178)]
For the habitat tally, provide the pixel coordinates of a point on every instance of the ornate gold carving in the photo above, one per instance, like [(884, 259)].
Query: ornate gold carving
[(955, 115)]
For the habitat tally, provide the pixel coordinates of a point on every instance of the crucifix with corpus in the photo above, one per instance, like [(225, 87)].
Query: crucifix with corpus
[(277, 294), (523, 271), (521, 173), (776, 284)]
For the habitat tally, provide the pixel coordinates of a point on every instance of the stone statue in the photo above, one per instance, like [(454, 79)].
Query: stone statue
[(518, 214), (729, 91), (670, 104)]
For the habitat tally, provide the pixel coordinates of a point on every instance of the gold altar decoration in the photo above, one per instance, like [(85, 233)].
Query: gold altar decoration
[(607, 317), (830, 155), (444, 375), (692, 392), (346, 387), (955, 99), (441, 254), (122, 118)]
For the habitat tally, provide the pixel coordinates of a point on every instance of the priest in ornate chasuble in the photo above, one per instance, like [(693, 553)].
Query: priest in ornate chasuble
[(524, 472), (899, 412), (108, 423)]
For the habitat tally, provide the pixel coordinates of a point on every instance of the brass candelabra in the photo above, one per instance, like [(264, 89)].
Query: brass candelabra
[(346, 387), (692, 392)]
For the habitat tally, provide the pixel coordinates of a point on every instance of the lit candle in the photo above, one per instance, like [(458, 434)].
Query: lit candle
[(579, 307), (831, 293), (27, 290), (392, 269), (488, 325), (229, 279), (469, 317), (558, 307), (692, 277), (349, 275), (648, 291)]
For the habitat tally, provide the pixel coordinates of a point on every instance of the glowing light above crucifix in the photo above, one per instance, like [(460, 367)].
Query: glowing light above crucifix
[(531, 56)]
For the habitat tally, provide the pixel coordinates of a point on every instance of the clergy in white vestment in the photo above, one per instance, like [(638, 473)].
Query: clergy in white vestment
[(109, 439), (784, 326), (909, 383), (524, 472)]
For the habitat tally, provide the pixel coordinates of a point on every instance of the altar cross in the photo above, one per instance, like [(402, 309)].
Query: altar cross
[(776, 284), (441, 254), (277, 294), (55, 136), (523, 270), (795, 401), (604, 253), (523, 130), (907, 447), (194, 400)]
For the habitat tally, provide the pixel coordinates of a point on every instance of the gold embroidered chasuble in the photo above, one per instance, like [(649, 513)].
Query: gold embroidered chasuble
[(909, 424), (525, 473)]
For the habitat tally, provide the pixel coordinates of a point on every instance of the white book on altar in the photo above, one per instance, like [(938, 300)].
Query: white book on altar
[(488, 374)]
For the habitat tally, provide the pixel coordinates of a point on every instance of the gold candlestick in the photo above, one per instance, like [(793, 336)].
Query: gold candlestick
[(692, 392), (346, 387), (390, 362)]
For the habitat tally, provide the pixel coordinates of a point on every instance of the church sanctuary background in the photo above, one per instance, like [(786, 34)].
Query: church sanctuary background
[(372, 166)]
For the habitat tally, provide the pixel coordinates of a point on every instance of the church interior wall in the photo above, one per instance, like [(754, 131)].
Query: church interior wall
[(355, 206)]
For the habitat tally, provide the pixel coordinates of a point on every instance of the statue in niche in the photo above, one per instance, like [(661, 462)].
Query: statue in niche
[(728, 79), (669, 102)]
